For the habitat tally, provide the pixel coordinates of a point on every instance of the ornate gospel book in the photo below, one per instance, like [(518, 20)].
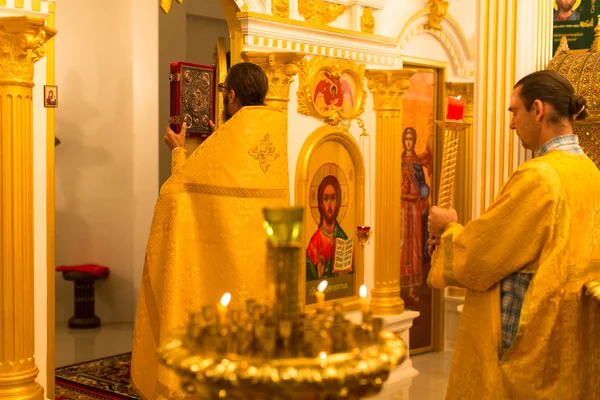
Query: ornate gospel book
[(192, 98)]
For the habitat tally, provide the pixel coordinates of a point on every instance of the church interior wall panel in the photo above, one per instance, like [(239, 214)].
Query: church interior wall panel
[(394, 16), (301, 126), (100, 158)]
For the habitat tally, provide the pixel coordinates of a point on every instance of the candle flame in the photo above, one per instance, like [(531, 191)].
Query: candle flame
[(323, 355), (225, 299), (322, 286), (459, 97), (363, 291)]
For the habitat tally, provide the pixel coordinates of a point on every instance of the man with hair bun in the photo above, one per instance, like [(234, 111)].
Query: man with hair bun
[(527, 330)]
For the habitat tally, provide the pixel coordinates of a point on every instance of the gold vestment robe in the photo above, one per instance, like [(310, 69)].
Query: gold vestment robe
[(207, 234), (545, 221)]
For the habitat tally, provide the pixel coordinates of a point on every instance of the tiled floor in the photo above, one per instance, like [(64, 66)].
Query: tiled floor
[(432, 381), (76, 346)]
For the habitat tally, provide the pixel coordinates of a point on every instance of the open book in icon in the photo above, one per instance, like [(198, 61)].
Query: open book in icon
[(344, 250)]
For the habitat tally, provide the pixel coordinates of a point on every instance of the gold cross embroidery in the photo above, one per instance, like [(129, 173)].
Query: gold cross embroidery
[(593, 230), (265, 153)]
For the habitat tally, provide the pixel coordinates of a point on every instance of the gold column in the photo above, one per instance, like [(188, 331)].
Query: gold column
[(387, 88), (280, 68), (22, 39), (515, 38)]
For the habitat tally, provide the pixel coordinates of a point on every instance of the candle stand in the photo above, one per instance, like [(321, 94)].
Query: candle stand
[(452, 130), (277, 350)]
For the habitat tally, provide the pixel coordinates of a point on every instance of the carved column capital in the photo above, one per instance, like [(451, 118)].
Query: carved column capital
[(280, 67), (387, 87), (22, 42)]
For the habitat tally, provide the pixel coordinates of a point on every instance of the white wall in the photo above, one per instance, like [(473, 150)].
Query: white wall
[(202, 34), (391, 20), (106, 165)]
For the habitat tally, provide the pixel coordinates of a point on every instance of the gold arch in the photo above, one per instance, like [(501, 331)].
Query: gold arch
[(315, 140)]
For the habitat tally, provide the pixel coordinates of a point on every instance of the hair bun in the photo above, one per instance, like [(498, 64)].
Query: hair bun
[(578, 107)]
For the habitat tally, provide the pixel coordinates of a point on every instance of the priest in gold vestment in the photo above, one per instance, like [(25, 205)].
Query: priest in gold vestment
[(206, 236), (527, 330)]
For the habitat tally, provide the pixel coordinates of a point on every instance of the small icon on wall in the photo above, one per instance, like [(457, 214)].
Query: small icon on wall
[(50, 96)]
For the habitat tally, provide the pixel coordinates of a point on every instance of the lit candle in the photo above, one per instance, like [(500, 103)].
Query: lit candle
[(222, 308), (456, 108), (363, 300), (321, 294)]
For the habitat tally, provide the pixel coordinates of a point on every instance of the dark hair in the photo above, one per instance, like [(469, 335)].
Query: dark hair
[(249, 82), (552, 88), (333, 181)]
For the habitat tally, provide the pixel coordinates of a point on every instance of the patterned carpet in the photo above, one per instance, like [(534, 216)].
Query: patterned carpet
[(107, 378)]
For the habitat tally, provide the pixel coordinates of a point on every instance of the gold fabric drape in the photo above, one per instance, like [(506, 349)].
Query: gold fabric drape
[(207, 235), (545, 221)]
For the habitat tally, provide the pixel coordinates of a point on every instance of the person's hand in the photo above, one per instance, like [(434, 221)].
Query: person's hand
[(432, 244), (212, 125), (173, 139), (320, 267), (439, 218)]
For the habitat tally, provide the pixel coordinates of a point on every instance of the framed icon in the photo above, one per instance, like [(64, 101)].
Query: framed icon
[(50, 96), (330, 184), (331, 88)]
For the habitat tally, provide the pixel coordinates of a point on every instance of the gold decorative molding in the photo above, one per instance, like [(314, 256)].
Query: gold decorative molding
[(387, 88), (22, 40), (592, 288), (437, 12), (563, 46), (318, 40), (367, 21), (320, 11), (280, 8), (341, 82), (280, 68), (165, 5), (265, 153), (22, 43)]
